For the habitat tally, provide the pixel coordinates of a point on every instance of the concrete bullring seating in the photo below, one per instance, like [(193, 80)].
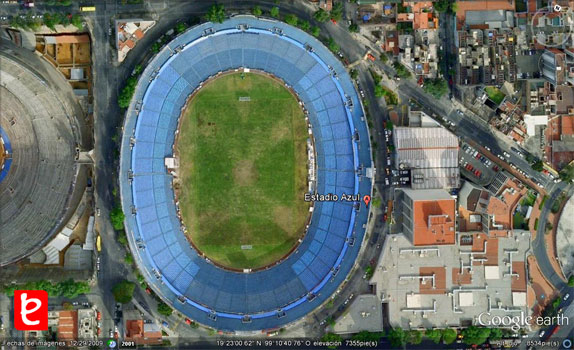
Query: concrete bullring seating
[(36, 190), (283, 293)]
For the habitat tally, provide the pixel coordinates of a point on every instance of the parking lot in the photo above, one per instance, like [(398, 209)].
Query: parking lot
[(475, 166)]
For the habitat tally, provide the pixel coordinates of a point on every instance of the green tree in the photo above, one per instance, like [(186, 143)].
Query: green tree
[(475, 335), (127, 92), (180, 27), (141, 280), (571, 281), (434, 334), (77, 21), (538, 165), (122, 238), (123, 291), (315, 31), (436, 87), (129, 259), (379, 91), (71, 289), (398, 337), (354, 28), (402, 71), (256, 10), (291, 19), (51, 20), (304, 25), (155, 47), (321, 15), (367, 336), (377, 78), (333, 46), (216, 13), (354, 74), (442, 5), (117, 217), (332, 338), (337, 11), (274, 12), (448, 335), (495, 334), (415, 337), (164, 309), (384, 58), (138, 69)]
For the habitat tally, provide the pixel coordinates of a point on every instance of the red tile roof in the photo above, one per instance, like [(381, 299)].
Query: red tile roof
[(433, 221)]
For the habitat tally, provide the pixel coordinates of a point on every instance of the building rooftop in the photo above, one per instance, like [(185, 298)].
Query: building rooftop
[(364, 314), (426, 148), (450, 285), (433, 216)]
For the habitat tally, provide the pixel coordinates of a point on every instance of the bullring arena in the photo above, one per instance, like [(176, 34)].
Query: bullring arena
[(39, 170), (193, 285)]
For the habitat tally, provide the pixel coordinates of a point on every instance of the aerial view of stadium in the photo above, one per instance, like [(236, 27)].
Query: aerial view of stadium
[(307, 174)]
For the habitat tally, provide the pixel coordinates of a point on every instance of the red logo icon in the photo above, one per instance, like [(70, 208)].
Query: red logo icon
[(31, 310)]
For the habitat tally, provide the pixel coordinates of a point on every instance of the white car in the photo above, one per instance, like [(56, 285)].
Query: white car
[(566, 297)]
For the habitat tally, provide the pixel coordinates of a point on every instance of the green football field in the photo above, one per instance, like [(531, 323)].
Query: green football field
[(243, 170)]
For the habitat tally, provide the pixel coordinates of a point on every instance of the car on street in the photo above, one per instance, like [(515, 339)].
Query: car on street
[(165, 324), (566, 297), (541, 334)]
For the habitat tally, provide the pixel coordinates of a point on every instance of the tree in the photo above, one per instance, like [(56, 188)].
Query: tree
[(571, 281), (321, 15), (402, 71), (379, 91), (129, 259), (354, 74), (291, 19), (384, 58), (398, 337), (274, 12), (155, 47), (164, 309), (216, 13), (376, 77), (304, 25), (256, 11), (127, 92), (123, 291), (77, 21), (333, 46), (180, 27), (117, 217), (367, 336), (71, 289), (448, 335), (122, 238), (415, 337), (538, 165), (315, 31), (436, 87), (434, 334), (475, 335), (337, 11), (332, 338), (442, 5), (495, 334), (354, 28)]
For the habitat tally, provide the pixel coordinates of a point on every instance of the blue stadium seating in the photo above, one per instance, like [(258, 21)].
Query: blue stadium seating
[(216, 297)]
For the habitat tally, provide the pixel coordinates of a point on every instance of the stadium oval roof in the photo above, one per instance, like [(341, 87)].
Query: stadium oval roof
[(279, 295), (39, 178)]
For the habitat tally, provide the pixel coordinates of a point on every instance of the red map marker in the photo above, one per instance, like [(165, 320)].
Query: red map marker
[(367, 200)]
